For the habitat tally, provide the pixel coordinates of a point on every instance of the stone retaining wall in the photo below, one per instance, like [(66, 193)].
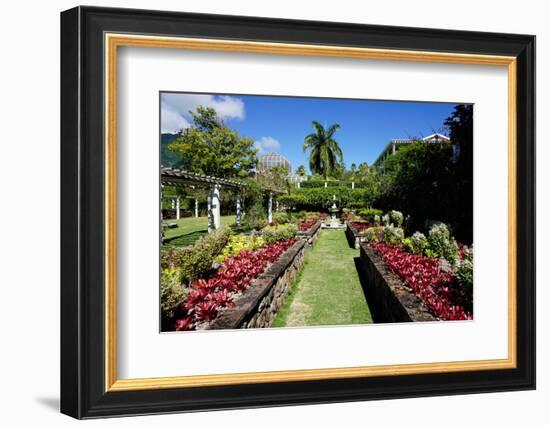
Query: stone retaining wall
[(257, 306), (389, 298), (353, 237), (311, 235)]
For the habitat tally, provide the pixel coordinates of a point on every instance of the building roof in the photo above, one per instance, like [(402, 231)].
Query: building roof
[(432, 138), (273, 159)]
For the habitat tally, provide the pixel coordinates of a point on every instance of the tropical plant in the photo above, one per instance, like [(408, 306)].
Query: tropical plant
[(325, 153), (442, 243)]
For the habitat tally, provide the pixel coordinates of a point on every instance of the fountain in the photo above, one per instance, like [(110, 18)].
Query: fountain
[(334, 222)]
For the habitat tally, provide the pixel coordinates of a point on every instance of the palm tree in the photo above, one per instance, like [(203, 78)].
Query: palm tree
[(325, 152)]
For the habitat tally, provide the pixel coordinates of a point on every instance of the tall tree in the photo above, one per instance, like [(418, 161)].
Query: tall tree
[(325, 153), (210, 147), (301, 171)]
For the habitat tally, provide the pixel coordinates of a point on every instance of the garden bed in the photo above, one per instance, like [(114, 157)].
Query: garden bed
[(353, 236), (390, 299), (257, 306), (311, 234)]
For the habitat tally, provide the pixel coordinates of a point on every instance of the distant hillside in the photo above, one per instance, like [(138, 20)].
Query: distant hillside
[(167, 157)]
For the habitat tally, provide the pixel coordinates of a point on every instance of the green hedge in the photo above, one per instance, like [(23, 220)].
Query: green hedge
[(312, 184), (321, 198)]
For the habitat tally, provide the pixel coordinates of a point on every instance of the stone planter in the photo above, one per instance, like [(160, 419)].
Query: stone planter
[(257, 306), (311, 235), (389, 298)]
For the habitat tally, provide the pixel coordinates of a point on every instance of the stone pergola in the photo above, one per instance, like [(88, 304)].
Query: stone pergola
[(182, 178)]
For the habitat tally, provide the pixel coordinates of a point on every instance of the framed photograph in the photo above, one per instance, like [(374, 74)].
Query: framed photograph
[(261, 212)]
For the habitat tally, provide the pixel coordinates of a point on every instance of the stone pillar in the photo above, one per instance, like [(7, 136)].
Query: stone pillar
[(325, 183), (173, 204), (277, 205), (196, 207), (270, 208), (298, 185), (393, 148), (352, 185), (239, 210), (178, 208)]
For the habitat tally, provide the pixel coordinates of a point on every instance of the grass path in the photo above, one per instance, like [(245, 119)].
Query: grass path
[(192, 228), (328, 290)]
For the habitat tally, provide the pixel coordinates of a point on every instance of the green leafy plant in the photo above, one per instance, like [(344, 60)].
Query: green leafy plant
[(370, 235), (279, 233), (237, 244), (369, 213), (396, 217), (392, 235), (281, 217), (172, 292), (442, 244), (418, 243)]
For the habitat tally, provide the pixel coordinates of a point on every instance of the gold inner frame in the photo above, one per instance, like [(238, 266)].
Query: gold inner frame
[(113, 41)]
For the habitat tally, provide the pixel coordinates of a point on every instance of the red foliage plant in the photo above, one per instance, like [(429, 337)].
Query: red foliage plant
[(208, 297), (307, 224), (359, 226), (436, 288)]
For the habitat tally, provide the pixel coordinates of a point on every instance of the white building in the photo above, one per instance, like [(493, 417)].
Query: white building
[(394, 145)]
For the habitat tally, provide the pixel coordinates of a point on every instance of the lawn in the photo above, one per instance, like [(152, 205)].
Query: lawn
[(328, 290), (190, 229)]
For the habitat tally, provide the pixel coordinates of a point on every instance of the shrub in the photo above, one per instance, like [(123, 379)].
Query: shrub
[(272, 235), (300, 215), (237, 244), (396, 217), (442, 244), (370, 235), (386, 219), (281, 217), (194, 262), (376, 219), (464, 272), (392, 235), (418, 243), (407, 245), (255, 217), (172, 292), (369, 213)]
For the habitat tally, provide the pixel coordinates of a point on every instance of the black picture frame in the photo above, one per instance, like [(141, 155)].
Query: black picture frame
[(83, 392)]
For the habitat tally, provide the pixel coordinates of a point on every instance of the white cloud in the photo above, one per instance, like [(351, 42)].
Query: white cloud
[(175, 108), (267, 144)]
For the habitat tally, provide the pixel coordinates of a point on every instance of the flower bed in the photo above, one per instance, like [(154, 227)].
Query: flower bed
[(439, 291), (209, 297), (360, 226), (307, 224)]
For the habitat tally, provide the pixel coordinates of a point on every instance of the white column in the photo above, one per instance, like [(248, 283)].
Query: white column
[(178, 208), (210, 213), (216, 206), (161, 217), (298, 185), (393, 148), (270, 208), (325, 183), (352, 185), (277, 205), (239, 210), (173, 204), (196, 207)]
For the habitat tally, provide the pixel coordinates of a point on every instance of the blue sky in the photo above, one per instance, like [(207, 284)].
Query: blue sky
[(280, 123)]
